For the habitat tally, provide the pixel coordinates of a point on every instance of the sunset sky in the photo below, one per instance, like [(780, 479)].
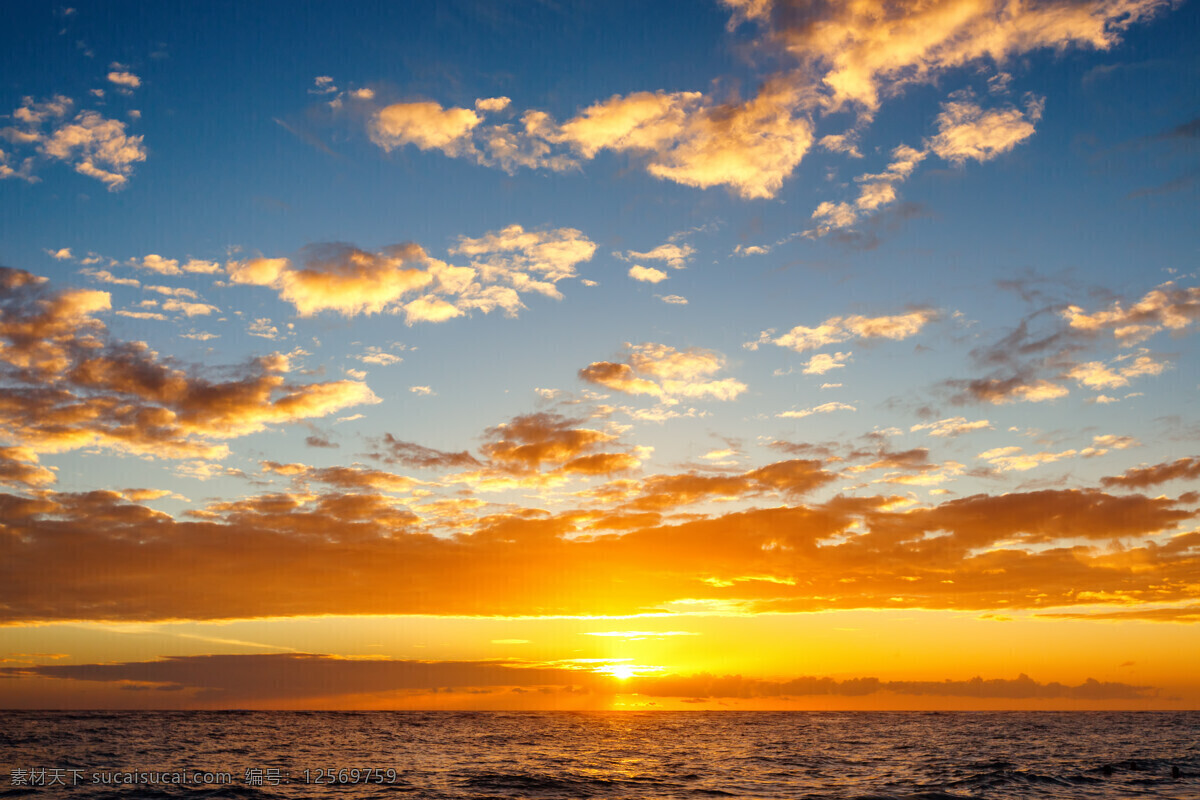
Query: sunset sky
[(600, 355)]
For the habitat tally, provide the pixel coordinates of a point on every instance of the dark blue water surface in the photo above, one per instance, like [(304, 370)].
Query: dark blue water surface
[(602, 755)]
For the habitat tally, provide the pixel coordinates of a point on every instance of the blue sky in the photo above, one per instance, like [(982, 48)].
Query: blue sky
[(622, 271)]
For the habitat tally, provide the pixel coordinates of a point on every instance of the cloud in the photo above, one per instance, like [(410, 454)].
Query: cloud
[(353, 479), (835, 57), (378, 356), (673, 255), (492, 105), (875, 191), (69, 385), (999, 391), (190, 309), (647, 274), (124, 78), (792, 478), (19, 467), (339, 278), (673, 299), (966, 131), (92, 144), (1019, 688), (144, 315), (323, 84), (172, 266), (836, 330), (427, 125), (867, 52), (952, 426), (527, 260), (749, 146), (529, 441), (842, 143), (1008, 459), (1033, 361), (1167, 307), (266, 678), (539, 450), (824, 408), (174, 291), (1097, 375), (662, 371), (1040, 550), (96, 147), (104, 276), (1184, 614), (1143, 477), (263, 328), (394, 451), (344, 279), (824, 362)]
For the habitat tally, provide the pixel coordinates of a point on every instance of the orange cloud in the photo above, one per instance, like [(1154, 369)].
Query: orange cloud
[(1017, 550), (19, 467), (1143, 477), (69, 386), (533, 439)]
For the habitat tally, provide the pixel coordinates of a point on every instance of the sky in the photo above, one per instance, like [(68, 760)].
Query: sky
[(744, 354)]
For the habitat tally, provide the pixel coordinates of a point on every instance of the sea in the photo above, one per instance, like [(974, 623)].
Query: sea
[(656, 754)]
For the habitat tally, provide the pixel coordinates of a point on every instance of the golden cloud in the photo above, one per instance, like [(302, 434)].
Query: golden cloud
[(427, 125), (666, 373), (350, 281)]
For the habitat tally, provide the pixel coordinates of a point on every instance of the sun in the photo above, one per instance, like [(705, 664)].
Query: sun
[(623, 672)]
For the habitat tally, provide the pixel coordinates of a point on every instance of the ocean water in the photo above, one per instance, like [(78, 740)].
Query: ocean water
[(603, 755)]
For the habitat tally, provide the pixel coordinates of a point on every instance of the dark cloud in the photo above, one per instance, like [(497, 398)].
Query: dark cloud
[(528, 441), (258, 678), (1021, 688), (1189, 614), (395, 451), (280, 678), (1142, 477), (320, 441)]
